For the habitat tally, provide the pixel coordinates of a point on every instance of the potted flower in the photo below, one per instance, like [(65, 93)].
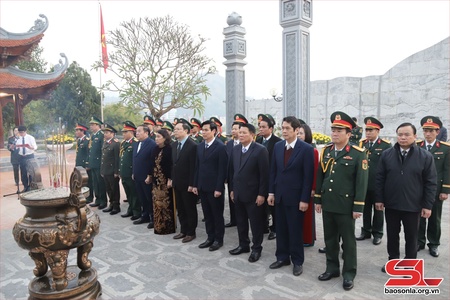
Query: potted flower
[(59, 140)]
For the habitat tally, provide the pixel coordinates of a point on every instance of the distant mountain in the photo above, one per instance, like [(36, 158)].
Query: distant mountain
[(214, 105)]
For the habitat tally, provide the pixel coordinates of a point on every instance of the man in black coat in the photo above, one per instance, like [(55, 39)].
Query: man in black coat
[(183, 156), (109, 168), (249, 184), (209, 184), (15, 157), (238, 120), (142, 173), (406, 185), (266, 137)]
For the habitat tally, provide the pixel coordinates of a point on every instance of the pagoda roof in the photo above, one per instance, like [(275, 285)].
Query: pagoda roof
[(16, 81), (16, 46)]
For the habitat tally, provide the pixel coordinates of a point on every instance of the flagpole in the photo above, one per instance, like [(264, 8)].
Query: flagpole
[(100, 57)]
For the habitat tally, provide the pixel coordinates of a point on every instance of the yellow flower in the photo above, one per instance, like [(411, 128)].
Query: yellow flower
[(60, 139), (321, 138)]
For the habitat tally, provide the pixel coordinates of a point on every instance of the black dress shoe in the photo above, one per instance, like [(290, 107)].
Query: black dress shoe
[(420, 247), (94, 204), (215, 246), (134, 218), (179, 236), (272, 236), (109, 209), (376, 240), (25, 190), (141, 221), (206, 244), (279, 263), (298, 270), (150, 225), (327, 276), (102, 206), (254, 256), (127, 215), (114, 212), (323, 250), (362, 237), (231, 224), (347, 285), (239, 250), (434, 251)]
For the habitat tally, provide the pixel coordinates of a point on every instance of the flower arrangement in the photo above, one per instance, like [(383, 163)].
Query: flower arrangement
[(59, 139), (321, 138)]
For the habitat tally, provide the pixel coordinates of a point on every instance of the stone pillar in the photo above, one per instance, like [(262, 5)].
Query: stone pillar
[(296, 18), (234, 50)]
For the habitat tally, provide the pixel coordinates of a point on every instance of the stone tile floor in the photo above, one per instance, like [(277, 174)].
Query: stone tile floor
[(134, 263)]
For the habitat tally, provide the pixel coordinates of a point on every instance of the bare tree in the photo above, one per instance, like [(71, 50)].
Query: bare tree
[(159, 64)]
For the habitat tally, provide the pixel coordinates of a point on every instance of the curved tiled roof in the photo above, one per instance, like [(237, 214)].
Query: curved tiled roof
[(16, 81)]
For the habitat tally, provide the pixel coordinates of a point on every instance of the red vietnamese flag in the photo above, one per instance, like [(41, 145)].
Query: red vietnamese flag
[(103, 41)]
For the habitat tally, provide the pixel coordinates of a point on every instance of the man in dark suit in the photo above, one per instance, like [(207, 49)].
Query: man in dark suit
[(266, 137), (209, 184), (95, 159), (126, 170), (184, 152), (82, 155), (441, 152), (142, 172), (238, 120), (291, 179), (109, 168), (248, 184)]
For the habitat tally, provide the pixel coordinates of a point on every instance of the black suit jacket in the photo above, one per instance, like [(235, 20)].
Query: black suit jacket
[(142, 161), (211, 167), (248, 174), (183, 170)]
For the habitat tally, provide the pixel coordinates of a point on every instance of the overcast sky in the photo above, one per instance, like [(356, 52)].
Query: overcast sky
[(348, 38)]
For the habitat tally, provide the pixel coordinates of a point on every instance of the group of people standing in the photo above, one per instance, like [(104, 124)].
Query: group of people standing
[(274, 185)]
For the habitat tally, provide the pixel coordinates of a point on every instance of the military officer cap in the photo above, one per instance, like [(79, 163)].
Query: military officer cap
[(196, 122), (95, 120), (340, 119), (301, 121), (108, 127), (128, 126), (216, 120), (149, 120), (373, 123), (183, 121), (431, 122), (159, 122), (81, 127), (167, 125), (267, 118), (239, 118)]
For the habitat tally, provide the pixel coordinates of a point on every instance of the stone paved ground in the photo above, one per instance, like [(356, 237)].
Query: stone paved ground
[(133, 263)]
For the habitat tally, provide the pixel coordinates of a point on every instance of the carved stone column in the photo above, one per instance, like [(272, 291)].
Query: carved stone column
[(296, 18), (234, 50)]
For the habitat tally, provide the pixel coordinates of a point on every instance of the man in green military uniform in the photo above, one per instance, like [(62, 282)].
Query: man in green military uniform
[(82, 155), (341, 186), (219, 135), (357, 132), (150, 124), (158, 124), (374, 146), (126, 170), (110, 168), (94, 162), (441, 153), (195, 131)]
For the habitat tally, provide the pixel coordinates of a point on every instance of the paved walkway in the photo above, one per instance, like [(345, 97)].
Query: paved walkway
[(134, 263)]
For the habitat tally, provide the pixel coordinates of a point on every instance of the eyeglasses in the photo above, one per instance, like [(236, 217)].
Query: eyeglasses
[(404, 134)]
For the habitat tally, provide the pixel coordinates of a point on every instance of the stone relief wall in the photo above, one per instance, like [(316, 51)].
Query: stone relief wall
[(417, 86)]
